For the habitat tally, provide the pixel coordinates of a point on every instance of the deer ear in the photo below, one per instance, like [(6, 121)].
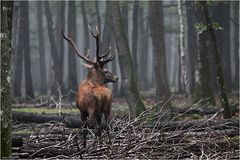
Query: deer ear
[(88, 66)]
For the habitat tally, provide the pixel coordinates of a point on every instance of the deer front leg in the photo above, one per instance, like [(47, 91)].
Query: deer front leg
[(107, 120), (84, 132)]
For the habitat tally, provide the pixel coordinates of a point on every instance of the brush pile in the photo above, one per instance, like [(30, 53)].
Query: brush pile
[(148, 136)]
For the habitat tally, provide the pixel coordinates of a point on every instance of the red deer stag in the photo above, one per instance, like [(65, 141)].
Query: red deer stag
[(93, 98)]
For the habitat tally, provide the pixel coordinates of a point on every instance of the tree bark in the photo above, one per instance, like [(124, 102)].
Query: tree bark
[(53, 48), (216, 53), (26, 48), (43, 78), (135, 34), (204, 88), (23, 117), (223, 38), (143, 52), (72, 68), (18, 62), (191, 46), (60, 26), (6, 31), (108, 40), (234, 24), (124, 12), (131, 92), (85, 27), (183, 54), (155, 17), (98, 16)]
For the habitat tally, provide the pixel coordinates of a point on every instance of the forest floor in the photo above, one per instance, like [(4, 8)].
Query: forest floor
[(191, 131)]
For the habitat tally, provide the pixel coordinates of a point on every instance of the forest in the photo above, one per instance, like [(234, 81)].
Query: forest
[(120, 79)]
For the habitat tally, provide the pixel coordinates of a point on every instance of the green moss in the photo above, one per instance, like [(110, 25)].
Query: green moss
[(21, 132), (195, 116), (234, 139)]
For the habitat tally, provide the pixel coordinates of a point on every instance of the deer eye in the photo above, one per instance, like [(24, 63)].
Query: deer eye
[(105, 71)]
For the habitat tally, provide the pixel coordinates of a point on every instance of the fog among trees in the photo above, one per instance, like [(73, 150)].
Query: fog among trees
[(169, 55)]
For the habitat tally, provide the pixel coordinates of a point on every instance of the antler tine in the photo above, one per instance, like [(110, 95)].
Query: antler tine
[(70, 40), (96, 36), (107, 60), (108, 52)]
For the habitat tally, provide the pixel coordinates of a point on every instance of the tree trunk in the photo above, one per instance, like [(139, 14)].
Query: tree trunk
[(191, 46), (26, 48), (124, 12), (143, 52), (124, 9), (6, 31), (107, 40), (53, 48), (223, 95), (98, 17), (225, 43), (155, 13), (234, 24), (43, 78), (131, 92), (60, 42), (18, 62), (72, 68), (204, 89), (85, 27), (183, 54), (223, 38), (135, 34), (180, 80), (25, 117)]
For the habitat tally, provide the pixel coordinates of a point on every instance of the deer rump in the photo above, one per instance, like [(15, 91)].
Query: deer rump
[(93, 101)]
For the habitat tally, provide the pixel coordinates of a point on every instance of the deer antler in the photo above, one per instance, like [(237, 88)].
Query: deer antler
[(100, 58), (70, 40)]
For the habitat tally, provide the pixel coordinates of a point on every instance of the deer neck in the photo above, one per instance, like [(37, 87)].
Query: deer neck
[(92, 78)]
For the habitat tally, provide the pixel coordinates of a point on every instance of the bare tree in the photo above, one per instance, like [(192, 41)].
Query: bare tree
[(143, 51), (108, 40), (204, 88), (6, 34), (43, 78), (124, 8), (191, 45), (98, 16), (131, 92), (183, 53), (135, 33), (53, 47), (85, 27), (18, 61), (72, 68), (60, 41), (216, 53), (26, 48), (155, 17), (234, 41)]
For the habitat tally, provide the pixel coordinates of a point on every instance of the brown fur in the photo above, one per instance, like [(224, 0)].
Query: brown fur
[(94, 99)]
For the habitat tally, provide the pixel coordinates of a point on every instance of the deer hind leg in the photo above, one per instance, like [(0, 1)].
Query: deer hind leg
[(108, 127), (84, 123)]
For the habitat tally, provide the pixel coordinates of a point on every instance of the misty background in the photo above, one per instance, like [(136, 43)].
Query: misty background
[(33, 69)]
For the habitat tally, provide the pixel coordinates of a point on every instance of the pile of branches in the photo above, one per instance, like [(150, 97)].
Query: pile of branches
[(149, 136)]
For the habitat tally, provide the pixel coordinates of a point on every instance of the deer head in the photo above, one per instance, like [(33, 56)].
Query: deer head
[(97, 73)]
